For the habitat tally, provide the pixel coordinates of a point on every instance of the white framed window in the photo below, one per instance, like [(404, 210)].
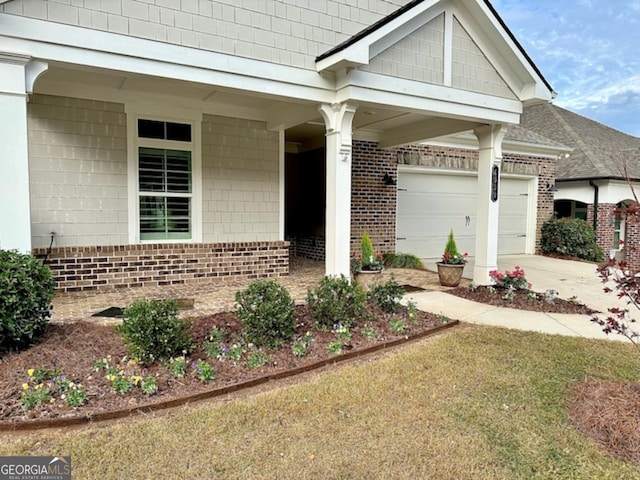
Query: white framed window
[(620, 225), (165, 203)]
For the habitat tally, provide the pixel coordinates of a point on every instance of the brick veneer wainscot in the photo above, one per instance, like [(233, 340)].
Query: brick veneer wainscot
[(127, 266)]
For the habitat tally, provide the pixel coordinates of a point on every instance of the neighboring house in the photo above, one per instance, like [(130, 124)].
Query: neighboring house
[(592, 180), (157, 143)]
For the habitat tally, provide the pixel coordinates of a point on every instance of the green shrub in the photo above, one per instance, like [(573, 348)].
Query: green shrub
[(402, 260), (387, 296), (572, 237), (152, 330), (267, 313), (26, 291), (336, 300)]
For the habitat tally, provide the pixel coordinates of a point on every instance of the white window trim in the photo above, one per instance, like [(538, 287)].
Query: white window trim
[(134, 111)]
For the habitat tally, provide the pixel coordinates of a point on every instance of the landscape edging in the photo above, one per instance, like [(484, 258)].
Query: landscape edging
[(216, 392)]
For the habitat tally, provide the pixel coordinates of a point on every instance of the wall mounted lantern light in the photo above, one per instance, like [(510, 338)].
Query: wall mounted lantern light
[(388, 179)]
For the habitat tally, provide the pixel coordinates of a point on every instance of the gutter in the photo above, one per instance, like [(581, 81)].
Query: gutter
[(582, 179)]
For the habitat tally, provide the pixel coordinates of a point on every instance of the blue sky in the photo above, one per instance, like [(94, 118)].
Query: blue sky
[(589, 50)]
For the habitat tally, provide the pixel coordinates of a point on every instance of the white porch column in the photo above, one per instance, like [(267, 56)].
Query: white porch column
[(338, 118), (490, 158), (15, 212)]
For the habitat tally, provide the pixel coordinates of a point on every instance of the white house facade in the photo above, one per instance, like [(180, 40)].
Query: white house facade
[(147, 142)]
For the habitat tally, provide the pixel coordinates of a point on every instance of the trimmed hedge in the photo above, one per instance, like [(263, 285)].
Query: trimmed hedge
[(152, 331), (267, 313), (26, 290), (572, 237), (336, 300)]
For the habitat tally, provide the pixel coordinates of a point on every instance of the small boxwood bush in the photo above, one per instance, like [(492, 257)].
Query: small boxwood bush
[(336, 300), (572, 237), (26, 291), (152, 331), (267, 313), (387, 296)]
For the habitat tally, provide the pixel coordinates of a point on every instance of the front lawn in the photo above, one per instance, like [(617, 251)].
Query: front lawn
[(475, 402)]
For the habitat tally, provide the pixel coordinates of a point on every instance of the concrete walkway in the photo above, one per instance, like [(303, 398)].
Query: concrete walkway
[(568, 278)]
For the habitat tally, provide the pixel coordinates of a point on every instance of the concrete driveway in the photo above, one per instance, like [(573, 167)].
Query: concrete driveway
[(567, 277)]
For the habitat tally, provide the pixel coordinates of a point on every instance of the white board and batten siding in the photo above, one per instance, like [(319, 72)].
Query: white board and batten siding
[(430, 204)]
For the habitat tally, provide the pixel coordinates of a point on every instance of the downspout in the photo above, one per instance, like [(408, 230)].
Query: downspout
[(596, 193)]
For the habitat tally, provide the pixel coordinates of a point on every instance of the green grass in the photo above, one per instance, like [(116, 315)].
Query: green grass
[(474, 403)]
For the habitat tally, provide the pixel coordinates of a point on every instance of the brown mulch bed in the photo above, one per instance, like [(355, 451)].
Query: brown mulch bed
[(73, 350), (521, 300), (608, 413)]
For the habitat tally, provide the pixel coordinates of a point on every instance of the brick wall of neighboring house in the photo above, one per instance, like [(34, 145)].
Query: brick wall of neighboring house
[(632, 257), (605, 233), (605, 228), (127, 266)]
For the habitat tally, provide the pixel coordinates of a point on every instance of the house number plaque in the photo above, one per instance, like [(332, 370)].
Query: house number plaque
[(495, 179)]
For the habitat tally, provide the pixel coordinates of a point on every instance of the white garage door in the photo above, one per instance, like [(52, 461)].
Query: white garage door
[(430, 205)]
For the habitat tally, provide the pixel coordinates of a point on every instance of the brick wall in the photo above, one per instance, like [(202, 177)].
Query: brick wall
[(373, 204), (605, 233), (312, 247), (605, 228), (632, 257), (127, 266)]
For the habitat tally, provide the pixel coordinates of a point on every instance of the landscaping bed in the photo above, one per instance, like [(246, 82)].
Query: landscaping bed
[(72, 353), (521, 300)]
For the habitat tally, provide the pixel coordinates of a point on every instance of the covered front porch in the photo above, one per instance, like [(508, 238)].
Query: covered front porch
[(83, 179)]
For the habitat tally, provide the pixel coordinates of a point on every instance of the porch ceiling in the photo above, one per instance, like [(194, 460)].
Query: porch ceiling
[(302, 121)]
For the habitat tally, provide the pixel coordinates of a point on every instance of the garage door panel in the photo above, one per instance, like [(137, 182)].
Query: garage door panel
[(429, 206)]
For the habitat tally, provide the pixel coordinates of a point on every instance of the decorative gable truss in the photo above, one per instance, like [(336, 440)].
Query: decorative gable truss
[(434, 49)]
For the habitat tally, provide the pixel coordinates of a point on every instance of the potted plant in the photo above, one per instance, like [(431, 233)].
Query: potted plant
[(370, 261), (451, 266)]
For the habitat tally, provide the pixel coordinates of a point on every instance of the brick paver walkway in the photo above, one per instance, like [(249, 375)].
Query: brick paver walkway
[(216, 296)]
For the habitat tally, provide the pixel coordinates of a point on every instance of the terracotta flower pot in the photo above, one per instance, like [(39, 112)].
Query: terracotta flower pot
[(450, 275)]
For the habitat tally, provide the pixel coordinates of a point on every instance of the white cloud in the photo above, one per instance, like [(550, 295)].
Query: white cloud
[(587, 50)]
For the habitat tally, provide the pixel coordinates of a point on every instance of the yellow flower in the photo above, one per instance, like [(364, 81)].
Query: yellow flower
[(25, 386), (30, 372)]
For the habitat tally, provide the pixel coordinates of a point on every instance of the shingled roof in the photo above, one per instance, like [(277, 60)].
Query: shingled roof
[(598, 151), (519, 134)]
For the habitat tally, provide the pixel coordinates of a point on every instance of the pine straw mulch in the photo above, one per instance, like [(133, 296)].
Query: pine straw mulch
[(521, 300), (609, 412), (73, 349)]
